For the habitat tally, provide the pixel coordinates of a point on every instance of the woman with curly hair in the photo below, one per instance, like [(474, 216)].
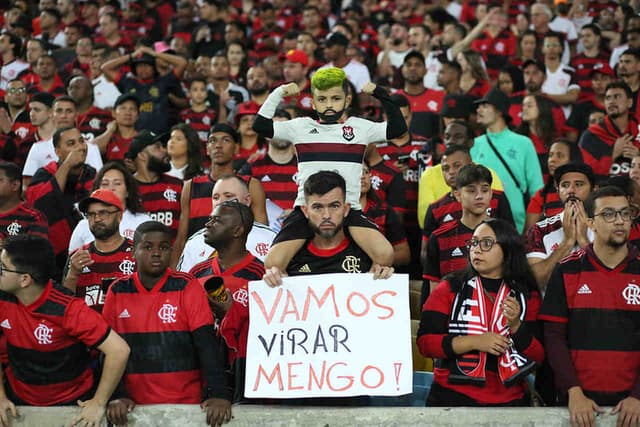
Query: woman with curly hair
[(184, 150)]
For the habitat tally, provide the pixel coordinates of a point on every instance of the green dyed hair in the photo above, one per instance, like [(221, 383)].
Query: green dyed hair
[(327, 78)]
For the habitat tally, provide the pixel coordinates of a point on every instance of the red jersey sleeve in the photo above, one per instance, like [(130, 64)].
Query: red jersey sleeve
[(85, 324), (196, 305)]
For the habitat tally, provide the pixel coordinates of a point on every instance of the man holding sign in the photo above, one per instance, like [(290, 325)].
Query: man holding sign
[(330, 250)]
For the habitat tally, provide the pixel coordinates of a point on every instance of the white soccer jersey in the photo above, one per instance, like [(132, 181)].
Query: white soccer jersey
[(336, 147), (10, 71), (43, 152), (196, 250)]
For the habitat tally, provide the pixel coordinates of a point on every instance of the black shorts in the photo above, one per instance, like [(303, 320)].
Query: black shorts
[(296, 226)]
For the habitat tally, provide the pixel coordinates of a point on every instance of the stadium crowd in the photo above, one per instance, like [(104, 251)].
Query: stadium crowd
[(157, 155)]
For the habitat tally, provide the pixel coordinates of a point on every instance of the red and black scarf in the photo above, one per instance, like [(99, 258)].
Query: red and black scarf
[(469, 316)]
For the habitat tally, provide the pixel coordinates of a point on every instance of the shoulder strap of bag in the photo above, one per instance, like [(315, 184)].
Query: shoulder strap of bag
[(513, 177)]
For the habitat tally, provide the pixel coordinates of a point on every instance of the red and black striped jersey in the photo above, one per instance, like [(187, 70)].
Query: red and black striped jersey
[(278, 180), (600, 307), (58, 204), (546, 202), (118, 146), (583, 66), (496, 51), (93, 123), (201, 122), (447, 250), (447, 209), (158, 325), (200, 202), (47, 343), (595, 7), (23, 219), (387, 221), (95, 279), (25, 146), (57, 88), (388, 184), (161, 200)]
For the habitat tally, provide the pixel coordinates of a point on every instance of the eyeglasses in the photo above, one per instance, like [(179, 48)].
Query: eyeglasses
[(15, 90), (609, 215), (485, 244), (100, 214), (3, 269)]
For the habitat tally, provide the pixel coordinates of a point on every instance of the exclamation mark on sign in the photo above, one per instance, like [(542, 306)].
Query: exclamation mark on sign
[(397, 366)]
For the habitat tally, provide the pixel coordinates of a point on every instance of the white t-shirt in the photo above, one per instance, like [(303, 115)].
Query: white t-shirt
[(105, 93), (130, 221), (433, 65), (10, 71), (177, 172), (42, 153), (396, 58), (196, 250), (560, 82), (318, 146), (357, 73)]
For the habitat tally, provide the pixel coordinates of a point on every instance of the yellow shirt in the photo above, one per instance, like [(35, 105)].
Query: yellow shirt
[(433, 186)]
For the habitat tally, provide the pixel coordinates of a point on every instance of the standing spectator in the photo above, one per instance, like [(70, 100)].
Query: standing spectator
[(105, 93), (257, 84), (200, 116), (114, 142), (47, 79), (151, 89), (58, 186), (396, 48), (511, 155), (227, 188), (115, 177), (335, 53), (556, 237), (16, 217), (538, 125), (496, 44), (449, 77), (593, 53), (608, 146), (474, 80), (560, 84), (267, 34), (629, 72), (111, 35), (510, 80), (207, 37), (160, 193), (296, 70), (541, 15), (227, 231), (222, 93), (600, 77), (309, 46), (91, 269), (52, 366), (251, 144), (311, 22), (41, 116), (91, 121), (593, 291), (484, 318), (169, 307), (12, 65), (51, 34)]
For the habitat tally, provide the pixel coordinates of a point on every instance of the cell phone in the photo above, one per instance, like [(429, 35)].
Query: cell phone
[(512, 293), (404, 158)]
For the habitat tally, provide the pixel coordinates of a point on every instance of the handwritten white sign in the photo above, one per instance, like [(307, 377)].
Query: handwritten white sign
[(330, 335)]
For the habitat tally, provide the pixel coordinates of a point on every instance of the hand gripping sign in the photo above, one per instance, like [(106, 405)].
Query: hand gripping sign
[(329, 335)]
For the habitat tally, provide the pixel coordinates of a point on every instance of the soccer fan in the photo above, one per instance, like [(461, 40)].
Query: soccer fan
[(257, 84), (51, 31), (91, 120), (560, 84), (57, 187), (207, 37), (114, 176), (111, 35), (14, 121), (150, 87), (114, 142), (497, 44), (227, 231), (628, 70), (556, 237), (183, 149), (583, 63), (592, 294), (12, 65), (199, 115), (330, 143), (446, 250), (49, 334), (91, 269), (329, 250), (41, 116), (222, 93), (511, 155), (159, 192), (609, 146), (47, 78), (335, 52), (481, 323), (227, 187), (104, 90), (16, 217), (157, 305), (43, 152), (296, 70)]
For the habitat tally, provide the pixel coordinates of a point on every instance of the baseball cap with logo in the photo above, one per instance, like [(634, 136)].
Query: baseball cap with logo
[(100, 195), (297, 56), (603, 68), (143, 139)]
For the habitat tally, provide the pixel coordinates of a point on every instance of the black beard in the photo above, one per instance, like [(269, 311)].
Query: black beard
[(158, 166), (330, 118), (328, 234), (259, 90), (104, 231)]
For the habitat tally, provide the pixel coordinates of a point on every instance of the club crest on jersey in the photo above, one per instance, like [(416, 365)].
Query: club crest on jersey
[(167, 313), (347, 133), (127, 266), (14, 228), (631, 294), (43, 334)]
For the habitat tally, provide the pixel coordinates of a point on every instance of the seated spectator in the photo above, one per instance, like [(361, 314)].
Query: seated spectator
[(111, 35), (91, 269), (171, 308), (104, 90), (115, 177), (385, 218), (546, 203), (183, 149), (510, 80), (48, 79), (474, 80), (578, 121), (227, 187), (481, 323), (52, 366), (556, 237), (41, 116), (560, 84)]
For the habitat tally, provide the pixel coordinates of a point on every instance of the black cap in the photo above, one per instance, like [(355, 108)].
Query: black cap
[(143, 139), (145, 58), (413, 54), (127, 97), (457, 106), (499, 100), (23, 21), (228, 129), (582, 168), (44, 98), (337, 38), (535, 62)]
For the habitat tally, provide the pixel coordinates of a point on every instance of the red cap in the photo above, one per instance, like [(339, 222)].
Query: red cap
[(107, 197), (297, 56), (603, 68), (246, 108)]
